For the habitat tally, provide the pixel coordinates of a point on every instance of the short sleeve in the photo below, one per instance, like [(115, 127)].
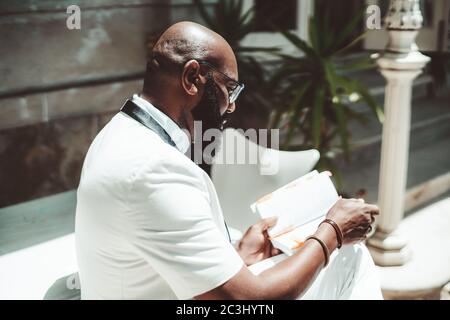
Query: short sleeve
[(173, 229)]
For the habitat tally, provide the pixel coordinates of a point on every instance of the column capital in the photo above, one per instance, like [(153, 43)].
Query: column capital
[(410, 61), (404, 15), (403, 21)]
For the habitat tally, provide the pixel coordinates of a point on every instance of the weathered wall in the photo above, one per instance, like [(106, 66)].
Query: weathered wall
[(58, 87)]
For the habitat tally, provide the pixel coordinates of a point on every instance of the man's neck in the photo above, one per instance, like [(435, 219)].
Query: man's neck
[(177, 115), (162, 106)]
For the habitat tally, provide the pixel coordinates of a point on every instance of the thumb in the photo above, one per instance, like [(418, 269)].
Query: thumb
[(267, 223)]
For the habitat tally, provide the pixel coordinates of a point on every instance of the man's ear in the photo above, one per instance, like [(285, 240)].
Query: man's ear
[(191, 79)]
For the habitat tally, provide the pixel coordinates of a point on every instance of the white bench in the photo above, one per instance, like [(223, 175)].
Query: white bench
[(40, 271)]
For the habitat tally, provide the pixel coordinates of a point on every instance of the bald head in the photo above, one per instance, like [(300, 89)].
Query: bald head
[(184, 41), (176, 79)]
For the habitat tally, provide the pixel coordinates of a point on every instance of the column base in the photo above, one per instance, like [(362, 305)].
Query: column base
[(389, 249)]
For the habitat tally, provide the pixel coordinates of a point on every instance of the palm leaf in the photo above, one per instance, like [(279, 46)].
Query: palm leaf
[(256, 49), (346, 31), (326, 163), (360, 117), (342, 129), (352, 86), (351, 44), (247, 16), (299, 43), (204, 14), (295, 109), (330, 75), (376, 109), (326, 33), (357, 65), (317, 116), (313, 34)]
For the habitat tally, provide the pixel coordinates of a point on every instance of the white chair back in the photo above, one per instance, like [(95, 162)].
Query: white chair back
[(239, 185)]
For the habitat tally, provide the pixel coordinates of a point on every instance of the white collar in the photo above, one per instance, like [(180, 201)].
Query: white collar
[(173, 130)]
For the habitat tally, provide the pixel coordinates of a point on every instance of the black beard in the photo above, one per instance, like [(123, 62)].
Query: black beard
[(207, 110)]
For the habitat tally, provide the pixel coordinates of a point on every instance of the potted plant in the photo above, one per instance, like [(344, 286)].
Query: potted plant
[(314, 95)]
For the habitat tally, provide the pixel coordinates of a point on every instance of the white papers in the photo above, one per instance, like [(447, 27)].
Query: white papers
[(300, 207)]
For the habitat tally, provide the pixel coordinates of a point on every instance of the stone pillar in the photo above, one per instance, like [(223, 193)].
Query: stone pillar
[(400, 64)]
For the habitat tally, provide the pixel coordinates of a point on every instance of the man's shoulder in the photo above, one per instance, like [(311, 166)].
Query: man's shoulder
[(146, 151), (170, 161), (128, 138)]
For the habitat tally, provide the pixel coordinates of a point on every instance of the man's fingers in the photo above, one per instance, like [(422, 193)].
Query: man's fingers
[(274, 252), (372, 209), (265, 224)]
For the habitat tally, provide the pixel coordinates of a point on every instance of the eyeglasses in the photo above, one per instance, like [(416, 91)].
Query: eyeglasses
[(236, 87)]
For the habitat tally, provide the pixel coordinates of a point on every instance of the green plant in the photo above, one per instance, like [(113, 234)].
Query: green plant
[(233, 23), (314, 95)]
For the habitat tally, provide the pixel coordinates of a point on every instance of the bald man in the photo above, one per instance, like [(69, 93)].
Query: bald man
[(148, 220)]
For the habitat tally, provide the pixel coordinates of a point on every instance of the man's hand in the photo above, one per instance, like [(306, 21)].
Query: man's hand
[(354, 218), (255, 244)]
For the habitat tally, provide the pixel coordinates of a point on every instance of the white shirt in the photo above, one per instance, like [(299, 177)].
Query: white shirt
[(148, 220)]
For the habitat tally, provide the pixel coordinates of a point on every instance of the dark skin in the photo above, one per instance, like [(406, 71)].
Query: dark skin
[(176, 93)]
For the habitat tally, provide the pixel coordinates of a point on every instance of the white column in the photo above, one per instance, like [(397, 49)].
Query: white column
[(400, 64)]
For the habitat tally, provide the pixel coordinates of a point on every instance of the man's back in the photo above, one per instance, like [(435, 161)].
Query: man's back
[(142, 210)]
